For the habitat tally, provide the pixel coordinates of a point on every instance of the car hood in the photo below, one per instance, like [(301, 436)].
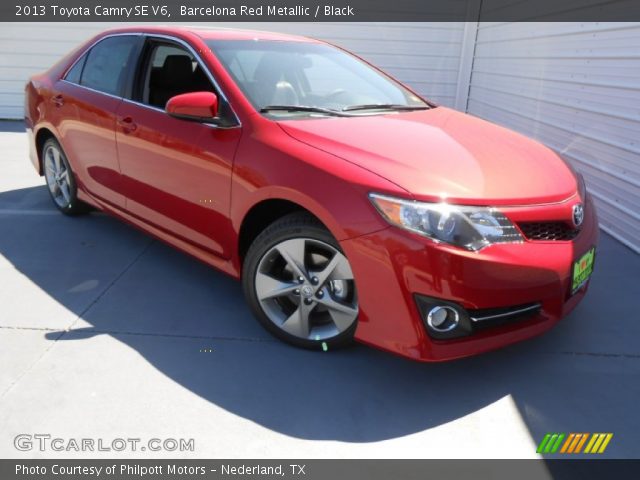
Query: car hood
[(441, 153)]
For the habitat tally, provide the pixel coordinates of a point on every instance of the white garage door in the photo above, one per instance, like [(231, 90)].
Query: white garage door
[(576, 88), (425, 56)]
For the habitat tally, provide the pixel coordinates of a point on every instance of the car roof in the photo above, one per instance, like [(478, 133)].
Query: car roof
[(214, 33)]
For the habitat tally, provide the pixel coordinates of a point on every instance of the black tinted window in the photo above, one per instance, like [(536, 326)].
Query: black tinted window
[(73, 75), (171, 70), (107, 62)]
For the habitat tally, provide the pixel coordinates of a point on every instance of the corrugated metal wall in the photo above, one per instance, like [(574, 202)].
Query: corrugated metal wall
[(573, 86), (426, 56), (576, 88)]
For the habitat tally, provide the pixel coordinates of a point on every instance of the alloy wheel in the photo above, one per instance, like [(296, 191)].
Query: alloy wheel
[(306, 288), (57, 175)]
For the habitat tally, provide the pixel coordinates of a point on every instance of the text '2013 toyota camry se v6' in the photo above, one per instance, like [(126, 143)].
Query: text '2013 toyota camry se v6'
[(349, 206)]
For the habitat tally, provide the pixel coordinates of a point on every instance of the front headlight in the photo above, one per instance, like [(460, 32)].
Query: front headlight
[(471, 228)]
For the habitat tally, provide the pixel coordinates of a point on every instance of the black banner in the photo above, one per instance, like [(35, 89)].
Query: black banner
[(189, 11), (319, 469)]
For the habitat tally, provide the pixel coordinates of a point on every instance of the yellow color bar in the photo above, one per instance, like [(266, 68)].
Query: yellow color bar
[(605, 443), (596, 445), (591, 442)]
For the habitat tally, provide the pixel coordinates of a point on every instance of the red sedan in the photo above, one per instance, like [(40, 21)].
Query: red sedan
[(349, 206)]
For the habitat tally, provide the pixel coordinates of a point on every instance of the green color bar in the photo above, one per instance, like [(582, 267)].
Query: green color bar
[(543, 443), (554, 449), (550, 443)]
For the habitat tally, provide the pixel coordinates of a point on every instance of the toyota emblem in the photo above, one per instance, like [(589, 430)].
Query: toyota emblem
[(578, 214)]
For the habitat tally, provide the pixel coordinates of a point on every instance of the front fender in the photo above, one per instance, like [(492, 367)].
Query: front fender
[(269, 164)]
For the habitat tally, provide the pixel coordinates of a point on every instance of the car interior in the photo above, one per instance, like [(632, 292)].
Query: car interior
[(177, 73), (273, 82)]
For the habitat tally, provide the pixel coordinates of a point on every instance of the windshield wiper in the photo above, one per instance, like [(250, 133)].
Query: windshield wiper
[(384, 106), (301, 108)]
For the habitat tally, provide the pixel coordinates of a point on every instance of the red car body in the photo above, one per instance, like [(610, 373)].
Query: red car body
[(209, 191)]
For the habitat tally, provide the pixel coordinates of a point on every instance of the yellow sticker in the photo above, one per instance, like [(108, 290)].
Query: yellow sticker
[(582, 270)]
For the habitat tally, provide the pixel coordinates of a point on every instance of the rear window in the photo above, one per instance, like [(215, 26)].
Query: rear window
[(107, 62)]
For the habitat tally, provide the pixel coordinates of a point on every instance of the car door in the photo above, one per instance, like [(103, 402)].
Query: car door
[(176, 173), (85, 104)]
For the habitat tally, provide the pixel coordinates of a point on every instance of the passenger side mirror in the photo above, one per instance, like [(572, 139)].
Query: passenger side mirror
[(197, 106)]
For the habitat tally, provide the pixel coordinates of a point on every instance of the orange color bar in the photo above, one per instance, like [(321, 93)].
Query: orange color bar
[(567, 442), (574, 443), (584, 439)]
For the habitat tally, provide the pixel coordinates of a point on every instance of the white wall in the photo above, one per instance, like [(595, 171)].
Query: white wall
[(425, 56), (576, 88)]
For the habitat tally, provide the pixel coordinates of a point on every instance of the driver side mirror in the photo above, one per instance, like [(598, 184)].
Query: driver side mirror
[(196, 106)]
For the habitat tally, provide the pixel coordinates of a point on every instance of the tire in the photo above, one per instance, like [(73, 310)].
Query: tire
[(60, 179), (295, 270)]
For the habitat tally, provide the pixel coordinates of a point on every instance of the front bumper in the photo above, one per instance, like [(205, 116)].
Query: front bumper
[(392, 266)]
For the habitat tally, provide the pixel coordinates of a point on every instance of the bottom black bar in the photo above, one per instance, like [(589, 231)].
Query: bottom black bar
[(319, 469)]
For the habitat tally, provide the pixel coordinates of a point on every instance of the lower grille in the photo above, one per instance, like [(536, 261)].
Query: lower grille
[(553, 231), (460, 322), (493, 317)]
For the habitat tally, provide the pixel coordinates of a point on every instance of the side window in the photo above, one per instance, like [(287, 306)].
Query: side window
[(107, 62), (73, 75), (171, 70)]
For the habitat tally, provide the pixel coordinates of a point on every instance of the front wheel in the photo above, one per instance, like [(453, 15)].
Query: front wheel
[(300, 285)]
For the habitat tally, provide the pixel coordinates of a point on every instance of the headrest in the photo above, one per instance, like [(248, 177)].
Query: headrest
[(270, 69), (176, 70)]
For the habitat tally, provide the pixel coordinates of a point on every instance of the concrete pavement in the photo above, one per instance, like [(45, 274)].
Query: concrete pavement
[(105, 333)]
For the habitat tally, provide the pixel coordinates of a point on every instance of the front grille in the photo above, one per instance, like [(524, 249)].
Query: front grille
[(542, 231)]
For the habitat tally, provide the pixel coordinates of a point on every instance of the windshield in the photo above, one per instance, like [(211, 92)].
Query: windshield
[(278, 76)]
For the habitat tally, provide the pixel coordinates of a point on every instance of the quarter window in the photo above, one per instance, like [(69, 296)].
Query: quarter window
[(107, 63), (74, 74)]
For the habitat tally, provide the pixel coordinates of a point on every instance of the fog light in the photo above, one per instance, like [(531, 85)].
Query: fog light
[(443, 318)]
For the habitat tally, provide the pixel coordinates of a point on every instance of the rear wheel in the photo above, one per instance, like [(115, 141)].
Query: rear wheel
[(60, 180), (300, 285)]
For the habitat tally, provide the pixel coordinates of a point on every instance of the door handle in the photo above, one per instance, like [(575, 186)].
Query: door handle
[(127, 124), (58, 100)]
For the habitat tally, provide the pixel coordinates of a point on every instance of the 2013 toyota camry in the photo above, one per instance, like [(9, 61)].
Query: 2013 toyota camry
[(349, 206)]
